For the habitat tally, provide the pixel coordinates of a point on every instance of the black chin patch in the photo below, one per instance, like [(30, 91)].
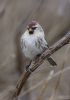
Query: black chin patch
[(31, 32)]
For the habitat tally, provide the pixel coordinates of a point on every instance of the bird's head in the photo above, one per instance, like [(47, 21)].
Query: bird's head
[(33, 27)]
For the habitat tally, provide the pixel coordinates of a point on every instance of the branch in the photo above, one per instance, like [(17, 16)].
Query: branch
[(37, 62)]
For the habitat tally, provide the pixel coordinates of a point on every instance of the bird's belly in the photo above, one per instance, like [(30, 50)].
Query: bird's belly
[(31, 51)]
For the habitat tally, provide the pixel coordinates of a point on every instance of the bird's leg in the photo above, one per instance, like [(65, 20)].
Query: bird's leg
[(35, 61), (36, 58)]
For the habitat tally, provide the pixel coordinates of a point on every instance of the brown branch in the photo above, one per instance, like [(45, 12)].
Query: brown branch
[(36, 63)]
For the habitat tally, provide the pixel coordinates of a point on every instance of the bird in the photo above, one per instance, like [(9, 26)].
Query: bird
[(33, 42)]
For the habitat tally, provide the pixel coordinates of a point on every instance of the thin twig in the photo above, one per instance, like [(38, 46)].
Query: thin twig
[(36, 63), (54, 93), (45, 85)]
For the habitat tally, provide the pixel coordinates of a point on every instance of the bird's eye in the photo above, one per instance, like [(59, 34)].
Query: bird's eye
[(28, 28), (34, 28)]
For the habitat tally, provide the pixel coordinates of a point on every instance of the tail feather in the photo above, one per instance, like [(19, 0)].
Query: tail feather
[(51, 61)]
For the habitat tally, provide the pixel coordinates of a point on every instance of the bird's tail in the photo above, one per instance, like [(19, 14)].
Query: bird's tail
[(51, 61)]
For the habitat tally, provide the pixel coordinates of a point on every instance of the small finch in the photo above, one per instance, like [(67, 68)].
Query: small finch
[(33, 42)]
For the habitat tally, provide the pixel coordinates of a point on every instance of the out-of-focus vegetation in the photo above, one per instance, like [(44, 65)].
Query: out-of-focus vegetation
[(54, 16)]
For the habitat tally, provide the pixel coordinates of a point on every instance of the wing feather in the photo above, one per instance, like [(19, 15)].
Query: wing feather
[(41, 43)]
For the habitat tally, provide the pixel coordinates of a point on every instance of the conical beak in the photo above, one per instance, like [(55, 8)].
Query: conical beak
[(30, 31)]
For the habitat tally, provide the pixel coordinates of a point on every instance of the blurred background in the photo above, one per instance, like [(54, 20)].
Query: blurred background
[(54, 16)]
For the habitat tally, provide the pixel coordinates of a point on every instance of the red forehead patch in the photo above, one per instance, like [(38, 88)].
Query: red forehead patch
[(33, 23)]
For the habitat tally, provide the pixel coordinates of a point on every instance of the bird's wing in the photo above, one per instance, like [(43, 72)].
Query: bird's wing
[(41, 43)]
